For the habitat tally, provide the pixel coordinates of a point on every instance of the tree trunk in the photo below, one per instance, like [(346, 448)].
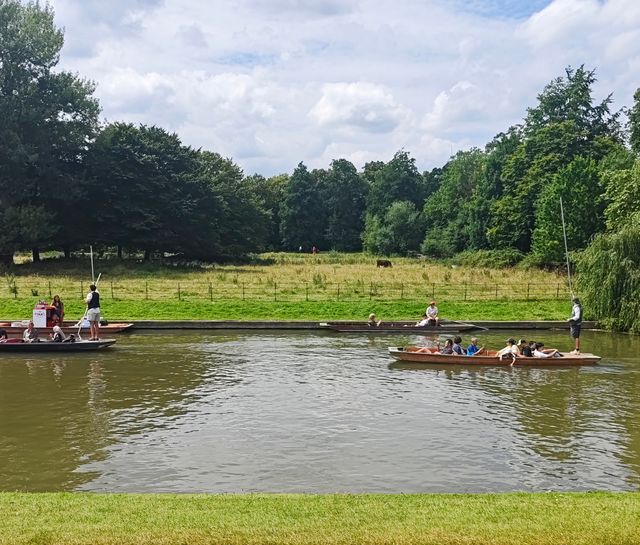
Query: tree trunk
[(147, 255), (36, 255), (119, 252), (67, 251), (6, 259)]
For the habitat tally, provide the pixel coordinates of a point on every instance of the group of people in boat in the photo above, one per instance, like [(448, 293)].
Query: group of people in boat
[(32, 335), (429, 318)]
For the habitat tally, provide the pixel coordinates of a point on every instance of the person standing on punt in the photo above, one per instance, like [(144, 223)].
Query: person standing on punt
[(93, 311), (575, 322)]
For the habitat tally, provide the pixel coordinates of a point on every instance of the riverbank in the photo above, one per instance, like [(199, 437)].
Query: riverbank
[(548, 518), (115, 310)]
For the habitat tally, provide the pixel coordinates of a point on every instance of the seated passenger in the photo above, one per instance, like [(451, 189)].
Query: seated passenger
[(511, 350), (432, 313), (473, 347), (30, 334), (371, 322), (457, 346), (424, 322), (447, 348), (58, 335), (525, 349), (3, 336), (540, 352)]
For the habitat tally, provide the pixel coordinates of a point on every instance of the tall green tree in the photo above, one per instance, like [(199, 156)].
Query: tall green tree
[(47, 120), (345, 198), (398, 180), (302, 213), (634, 123), (269, 193)]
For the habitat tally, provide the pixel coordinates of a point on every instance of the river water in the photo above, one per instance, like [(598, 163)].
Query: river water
[(315, 412)]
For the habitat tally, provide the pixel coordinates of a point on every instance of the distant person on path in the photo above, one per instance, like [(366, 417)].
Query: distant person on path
[(30, 334), (314, 250), (93, 311), (575, 322), (58, 309), (432, 313)]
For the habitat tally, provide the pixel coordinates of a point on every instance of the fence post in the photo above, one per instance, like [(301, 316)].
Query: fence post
[(528, 291), (465, 291), (370, 290), (49, 288), (558, 291), (179, 296), (402, 290), (210, 291), (81, 289), (338, 292), (433, 290), (146, 289), (275, 291), (496, 290), (243, 291), (112, 297), (306, 290)]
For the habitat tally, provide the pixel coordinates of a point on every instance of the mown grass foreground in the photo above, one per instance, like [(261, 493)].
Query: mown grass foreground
[(546, 518)]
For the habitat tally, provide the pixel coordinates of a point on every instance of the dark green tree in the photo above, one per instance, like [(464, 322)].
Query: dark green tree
[(302, 213), (345, 198), (634, 123), (270, 193), (47, 120), (398, 180)]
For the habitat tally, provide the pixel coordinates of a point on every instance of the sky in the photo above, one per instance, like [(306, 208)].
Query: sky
[(271, 83)]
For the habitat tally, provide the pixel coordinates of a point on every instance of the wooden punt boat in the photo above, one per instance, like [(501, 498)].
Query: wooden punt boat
[(407, 328), (50, 346), (108, 329), (416, 354)]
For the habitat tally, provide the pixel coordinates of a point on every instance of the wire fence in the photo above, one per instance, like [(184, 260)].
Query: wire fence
[(194, 290)]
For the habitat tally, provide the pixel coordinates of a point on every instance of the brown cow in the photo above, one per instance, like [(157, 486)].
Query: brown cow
[(383, 263)]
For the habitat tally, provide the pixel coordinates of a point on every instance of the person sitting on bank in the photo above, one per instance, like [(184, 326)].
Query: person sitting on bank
[(540, 352), (58, 309), (511, 350), (432, 313), (473, 347), (30, 334), (58, 335), (457, 346), (371, 322), (525, 349)]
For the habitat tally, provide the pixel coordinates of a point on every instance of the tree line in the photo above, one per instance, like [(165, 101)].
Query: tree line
[(67, 180)]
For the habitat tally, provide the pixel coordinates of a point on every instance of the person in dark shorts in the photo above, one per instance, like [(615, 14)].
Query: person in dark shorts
[(575, 322)]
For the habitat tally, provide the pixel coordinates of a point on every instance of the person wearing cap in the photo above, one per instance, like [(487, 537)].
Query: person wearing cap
[(510, 350), (575, 323), (525, 349), (432, 313)]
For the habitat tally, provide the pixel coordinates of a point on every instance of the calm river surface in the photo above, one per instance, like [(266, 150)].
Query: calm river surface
[(315, 412)]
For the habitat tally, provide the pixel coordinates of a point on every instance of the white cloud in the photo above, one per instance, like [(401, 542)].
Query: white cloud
[(271, 83)]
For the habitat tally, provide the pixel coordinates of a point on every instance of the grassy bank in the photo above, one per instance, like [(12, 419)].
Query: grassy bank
[(322, 310), (288, 287), (551, 518)]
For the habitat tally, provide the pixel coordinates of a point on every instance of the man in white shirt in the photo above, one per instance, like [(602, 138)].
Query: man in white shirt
[(575, 322), (432, 313)]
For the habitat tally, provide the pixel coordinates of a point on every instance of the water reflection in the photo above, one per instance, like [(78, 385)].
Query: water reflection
[(304, 412)]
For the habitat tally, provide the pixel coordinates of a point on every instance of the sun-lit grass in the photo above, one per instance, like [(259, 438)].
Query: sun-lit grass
[(495, 519), (287, 286)]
